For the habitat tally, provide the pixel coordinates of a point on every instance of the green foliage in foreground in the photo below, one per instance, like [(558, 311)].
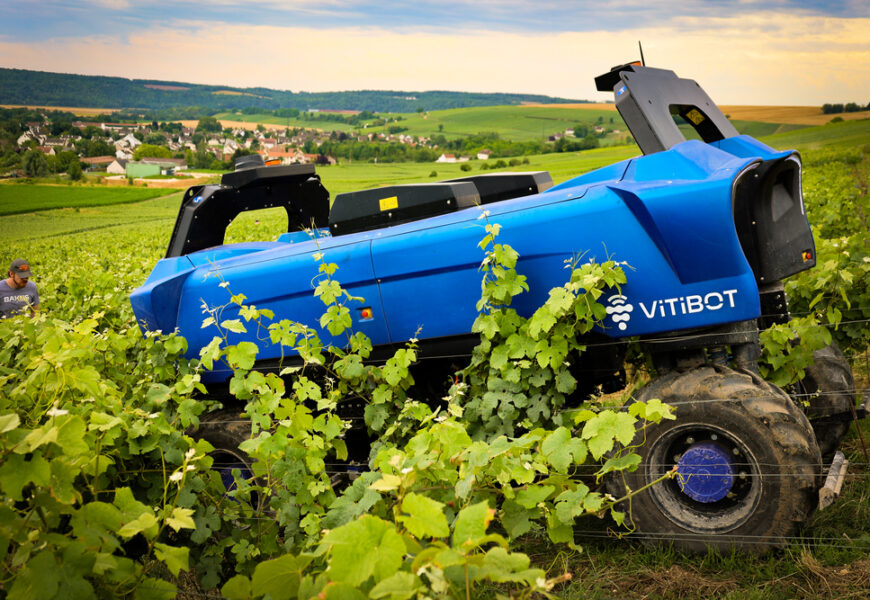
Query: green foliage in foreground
[(22, 198), (831, 301), (104, 490), (122, 393)]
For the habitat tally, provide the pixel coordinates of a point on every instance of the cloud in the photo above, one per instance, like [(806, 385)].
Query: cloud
[(758, 58)]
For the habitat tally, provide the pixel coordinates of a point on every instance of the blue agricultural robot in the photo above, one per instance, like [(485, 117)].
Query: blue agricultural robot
[(710, 226)]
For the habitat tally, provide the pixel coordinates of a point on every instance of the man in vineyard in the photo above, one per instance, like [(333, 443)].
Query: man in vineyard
[(17, 292)]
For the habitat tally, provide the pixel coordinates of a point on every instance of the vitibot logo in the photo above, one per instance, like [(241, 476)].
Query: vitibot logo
[(619, 310)]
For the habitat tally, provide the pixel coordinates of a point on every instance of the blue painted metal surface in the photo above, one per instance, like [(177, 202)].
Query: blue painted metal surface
[(667, 215), (705, 472)]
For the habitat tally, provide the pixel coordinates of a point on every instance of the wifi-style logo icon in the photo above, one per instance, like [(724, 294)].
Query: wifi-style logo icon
[(619, 310)]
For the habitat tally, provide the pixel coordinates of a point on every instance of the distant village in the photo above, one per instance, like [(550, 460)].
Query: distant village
[(288, 146), (138, 150), (127, 137)]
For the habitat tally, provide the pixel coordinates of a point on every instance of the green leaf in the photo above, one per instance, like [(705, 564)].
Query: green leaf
[(502, 566), (181, 518), (143, 522), (556, 449), (627, 462), (16, 472), (652, 410), (242, 355), (342, 591), (237, 588), (387, 483), (364, 548), (533, 495), (9, 422), (234, 325), (211, 352), (569, 504), (425, 516), (279, 577), (71, 435), (471, 524), (176, 558), (601, 430), (399, 586), (36, 438), (151, 588), (39, 579), (515, 519)]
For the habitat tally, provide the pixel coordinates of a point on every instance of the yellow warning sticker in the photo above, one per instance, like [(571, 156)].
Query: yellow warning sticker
[(390, 203), (695, 116)]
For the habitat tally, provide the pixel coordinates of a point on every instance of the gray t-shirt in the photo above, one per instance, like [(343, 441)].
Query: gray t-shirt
[(14, 301)]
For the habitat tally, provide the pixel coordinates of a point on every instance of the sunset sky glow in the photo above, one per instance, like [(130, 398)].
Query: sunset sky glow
[(779, 52)]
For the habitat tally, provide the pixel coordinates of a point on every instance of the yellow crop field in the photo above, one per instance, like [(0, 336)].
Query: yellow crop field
[(76, 110), (797, 115)]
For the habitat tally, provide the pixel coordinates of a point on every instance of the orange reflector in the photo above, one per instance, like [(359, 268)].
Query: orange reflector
[(366, 313)]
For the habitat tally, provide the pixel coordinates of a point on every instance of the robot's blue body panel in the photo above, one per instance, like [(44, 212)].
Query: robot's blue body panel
[(667, 215)]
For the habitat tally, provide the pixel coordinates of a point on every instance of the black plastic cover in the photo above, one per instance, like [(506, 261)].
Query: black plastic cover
[(648, 98), (771, 221), (381, 207), (495, 187), (206, 211)]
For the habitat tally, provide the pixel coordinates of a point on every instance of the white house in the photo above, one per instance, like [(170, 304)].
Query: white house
[(483, 154), (129, 140), (117, 167), (446, 158)]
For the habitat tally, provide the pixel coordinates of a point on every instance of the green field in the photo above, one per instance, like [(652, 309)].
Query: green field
[(515, 123), (841, 135), (24, 198)]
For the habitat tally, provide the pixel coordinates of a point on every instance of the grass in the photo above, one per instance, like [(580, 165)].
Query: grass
[(157, 213), (22, 198), (845, 134)]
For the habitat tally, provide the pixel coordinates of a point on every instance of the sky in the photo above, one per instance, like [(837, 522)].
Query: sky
[(748, 52)]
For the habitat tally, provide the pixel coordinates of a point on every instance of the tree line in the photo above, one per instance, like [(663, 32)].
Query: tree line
[(833, 109), (21, 86)]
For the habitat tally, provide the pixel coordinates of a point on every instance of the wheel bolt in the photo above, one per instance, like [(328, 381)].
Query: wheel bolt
[(714, 437), (690, 440), (736, 452)]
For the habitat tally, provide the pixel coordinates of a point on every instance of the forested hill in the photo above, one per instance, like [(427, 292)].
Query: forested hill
[(38, 88)]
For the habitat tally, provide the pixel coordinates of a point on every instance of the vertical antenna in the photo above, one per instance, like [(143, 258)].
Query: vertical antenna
[(642, 61)]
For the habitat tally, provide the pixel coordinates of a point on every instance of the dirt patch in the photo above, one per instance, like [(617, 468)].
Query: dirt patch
[(674, 582), (182, 184)]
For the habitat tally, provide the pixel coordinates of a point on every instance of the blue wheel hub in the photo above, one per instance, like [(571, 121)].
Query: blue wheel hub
[(705, 472)]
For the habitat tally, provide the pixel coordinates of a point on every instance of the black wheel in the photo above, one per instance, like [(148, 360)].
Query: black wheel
[(225, 430), (830, 389), (748, 467)]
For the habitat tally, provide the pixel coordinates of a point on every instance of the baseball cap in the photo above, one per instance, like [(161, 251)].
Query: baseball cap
[(21, 268)]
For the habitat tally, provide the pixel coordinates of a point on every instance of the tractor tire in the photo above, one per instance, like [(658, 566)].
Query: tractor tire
[(829, 387), (225, 430), (748, 466)]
